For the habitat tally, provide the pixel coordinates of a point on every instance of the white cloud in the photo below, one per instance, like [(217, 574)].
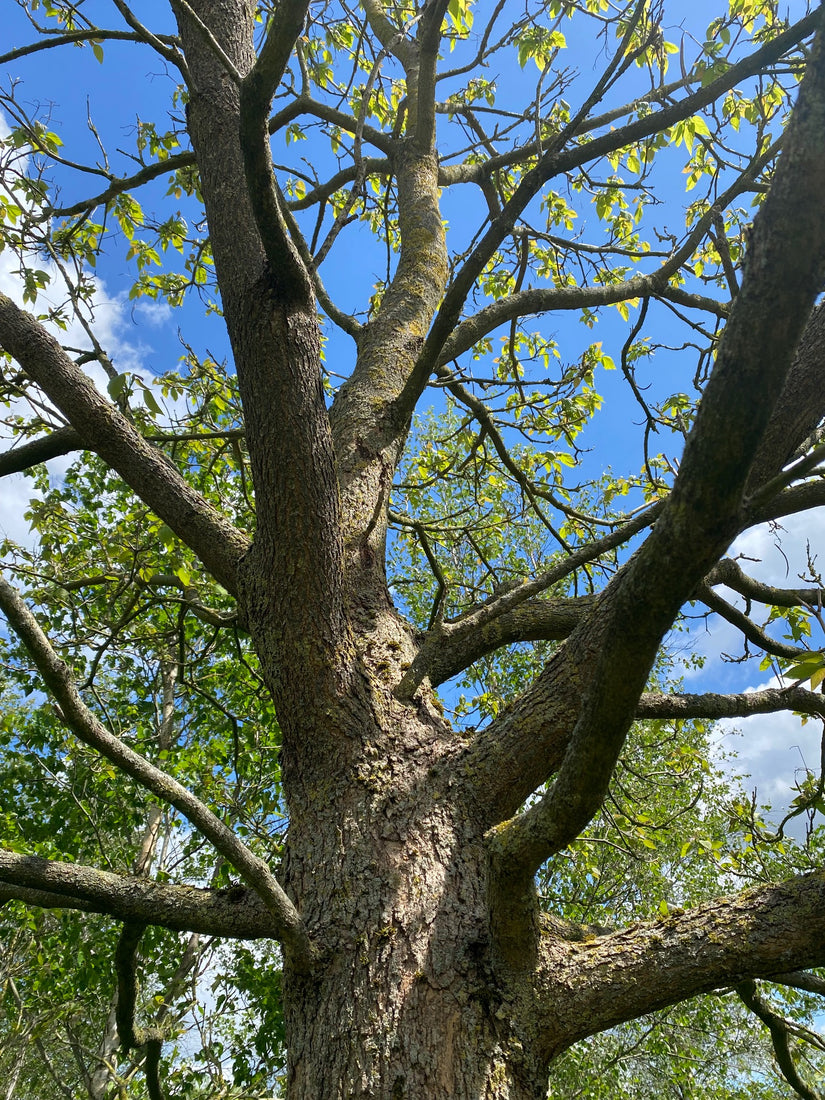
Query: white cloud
[(773, 751), (109, 318), (776, 554), (112, 318), (156, 314), (15, 493), (112, 330)]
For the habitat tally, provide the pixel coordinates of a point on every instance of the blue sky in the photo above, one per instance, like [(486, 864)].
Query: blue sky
[(70, 86)]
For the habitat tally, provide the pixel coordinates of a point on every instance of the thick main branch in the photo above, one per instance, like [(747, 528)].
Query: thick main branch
[(557, 161), (106, 431), (601, 671), (235, 912), (91, 731), (292, 578), (582, 988)]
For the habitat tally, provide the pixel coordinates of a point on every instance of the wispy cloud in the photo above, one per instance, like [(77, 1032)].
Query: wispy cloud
[(115, 322)]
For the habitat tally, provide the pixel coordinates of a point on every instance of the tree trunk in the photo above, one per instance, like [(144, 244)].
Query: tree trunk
[(400, 1006), (392, 872), (386, 864), (430, 973)]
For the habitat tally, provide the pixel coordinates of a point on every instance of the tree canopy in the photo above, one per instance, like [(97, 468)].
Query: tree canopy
[(384, 392)]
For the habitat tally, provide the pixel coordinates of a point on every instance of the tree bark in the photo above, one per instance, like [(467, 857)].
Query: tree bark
[(416, 961)]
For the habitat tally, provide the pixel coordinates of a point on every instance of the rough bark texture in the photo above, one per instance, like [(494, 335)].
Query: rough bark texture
[(416, 960)]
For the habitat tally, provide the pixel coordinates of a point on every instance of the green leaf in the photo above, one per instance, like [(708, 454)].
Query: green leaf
[(117, 386), (150, 401), (807, 668)]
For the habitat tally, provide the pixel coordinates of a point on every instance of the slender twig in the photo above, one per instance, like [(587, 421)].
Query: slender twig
[(94, 34), (780, 1030), (159, 44)]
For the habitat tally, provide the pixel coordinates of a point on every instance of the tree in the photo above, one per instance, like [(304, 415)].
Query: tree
[(251, 668)]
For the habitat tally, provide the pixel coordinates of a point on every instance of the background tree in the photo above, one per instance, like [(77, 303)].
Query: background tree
[(250, 585)]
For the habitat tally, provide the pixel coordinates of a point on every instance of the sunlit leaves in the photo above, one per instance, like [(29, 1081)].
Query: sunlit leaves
[(810, 668), (157, 145), (144, 254), (64, 12), (185, 181), (294, 132), (559, 212), (129, 215), (485, 500), (747, 12), (34, 280), (37, 136), (81, 241), (685, 132), (149, 254), (539, 45)]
